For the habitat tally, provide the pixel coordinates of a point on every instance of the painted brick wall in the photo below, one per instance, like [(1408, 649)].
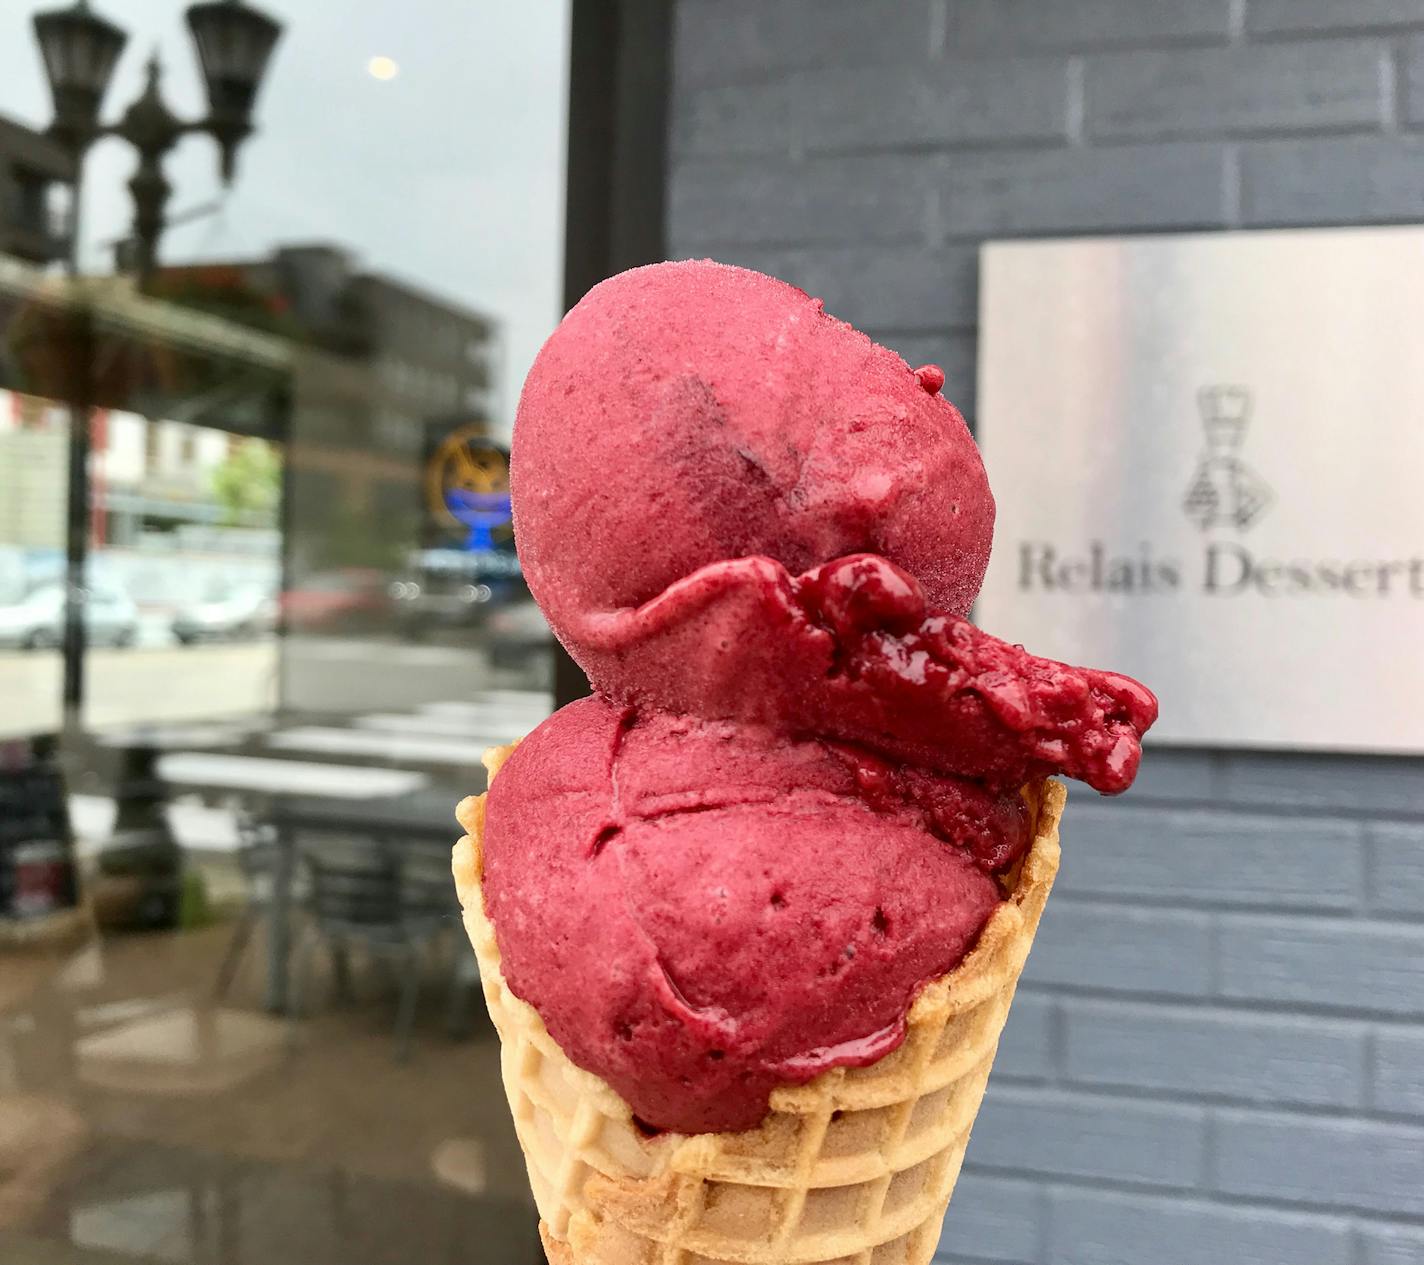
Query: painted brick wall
[(1217, 1056)]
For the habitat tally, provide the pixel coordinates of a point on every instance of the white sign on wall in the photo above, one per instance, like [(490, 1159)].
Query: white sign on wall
[(1208, 456)]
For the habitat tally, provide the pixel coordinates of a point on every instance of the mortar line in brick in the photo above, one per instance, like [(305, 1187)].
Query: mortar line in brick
[(1245, 811), (1391, 88), (1206, 1008), (939, 29), (1236, 21), (1334, 33), (959, 1258), (796, 130), (1320, 920), (1209, 1200), (1276, 808), (1284, 906), (1211, 904), (1215, 954), (700, 246), (1028, 146), (1251, 1005), (1188, 1194), (1231, 185), (1358, 1254), (1111, 226), (1371, 1069), (1040, 1176), (1345, 1212), (1118, 42), (1369, 870), (1022, 1081), (775, 163), (1114, 1091), (1206, 1177), (1219, 806), (761, 77), (1216, 776), (1043, 1245), (1077, 89), (1410, 218), (1063, 1095), (1365, 1069), (1258, 1113), (727, 162), (1057, 1042), (1205, 135), (934, 225)]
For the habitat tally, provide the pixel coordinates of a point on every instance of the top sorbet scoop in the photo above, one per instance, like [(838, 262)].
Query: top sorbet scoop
[(787, 804)]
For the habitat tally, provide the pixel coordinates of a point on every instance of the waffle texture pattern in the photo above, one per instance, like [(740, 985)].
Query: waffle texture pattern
[(855, 1168)]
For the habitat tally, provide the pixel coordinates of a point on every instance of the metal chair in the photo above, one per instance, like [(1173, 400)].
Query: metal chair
[(257, 845), (356, 898), (428, 893)]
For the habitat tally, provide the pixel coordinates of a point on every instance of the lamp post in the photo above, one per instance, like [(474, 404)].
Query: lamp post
[(80, 49)]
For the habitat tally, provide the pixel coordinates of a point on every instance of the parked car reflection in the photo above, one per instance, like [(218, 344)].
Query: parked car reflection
[(36, 621), (227, 615), (451, 588), (346, 600)]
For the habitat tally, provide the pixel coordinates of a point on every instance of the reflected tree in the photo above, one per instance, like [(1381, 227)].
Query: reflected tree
[(248, 485)]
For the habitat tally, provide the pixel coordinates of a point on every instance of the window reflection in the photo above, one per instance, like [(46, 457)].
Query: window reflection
[(303, 620)]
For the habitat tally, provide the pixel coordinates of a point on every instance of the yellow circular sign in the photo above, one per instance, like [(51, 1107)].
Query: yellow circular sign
[(465, 471)]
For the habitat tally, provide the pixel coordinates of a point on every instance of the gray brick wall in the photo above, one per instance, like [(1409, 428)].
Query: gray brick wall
[(1217, 1054), (1240, 90)]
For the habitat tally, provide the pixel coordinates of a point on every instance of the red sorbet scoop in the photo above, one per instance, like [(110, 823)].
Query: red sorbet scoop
[(701, 911), (691, 412)]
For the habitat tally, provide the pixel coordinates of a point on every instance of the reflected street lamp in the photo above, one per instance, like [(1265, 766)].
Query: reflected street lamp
[(234, 44), (80, 49)]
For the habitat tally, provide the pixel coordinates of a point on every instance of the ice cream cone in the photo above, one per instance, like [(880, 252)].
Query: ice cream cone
[(854, 1168)]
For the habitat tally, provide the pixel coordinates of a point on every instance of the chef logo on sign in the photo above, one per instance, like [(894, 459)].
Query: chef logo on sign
[(1225, 491)]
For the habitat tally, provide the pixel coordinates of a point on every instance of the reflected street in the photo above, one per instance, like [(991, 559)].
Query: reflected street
[(142, 685), (170, 683)]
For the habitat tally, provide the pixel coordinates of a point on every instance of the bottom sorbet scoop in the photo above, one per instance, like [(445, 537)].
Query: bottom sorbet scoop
[(704, 910)]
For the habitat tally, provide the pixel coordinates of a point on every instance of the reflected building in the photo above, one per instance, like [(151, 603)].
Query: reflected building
[(36, 180), (170, 397), (151, 478), (34, 451), (36, 177), (378, 361)]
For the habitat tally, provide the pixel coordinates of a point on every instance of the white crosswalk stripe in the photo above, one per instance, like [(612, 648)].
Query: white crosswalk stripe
[(484, 728), (461, 752), (258, 773)]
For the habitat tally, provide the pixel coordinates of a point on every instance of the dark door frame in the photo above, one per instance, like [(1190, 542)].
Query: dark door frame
[(620, 64)]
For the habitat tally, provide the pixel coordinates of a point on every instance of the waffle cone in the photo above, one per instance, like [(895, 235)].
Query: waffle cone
[(854, 1168)]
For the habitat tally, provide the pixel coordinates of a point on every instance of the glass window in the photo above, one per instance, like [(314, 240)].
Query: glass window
[(273, 629)]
